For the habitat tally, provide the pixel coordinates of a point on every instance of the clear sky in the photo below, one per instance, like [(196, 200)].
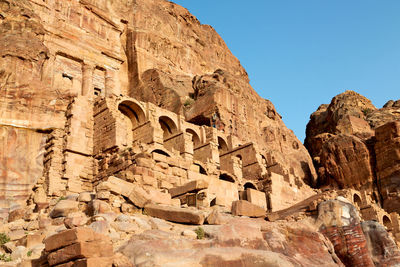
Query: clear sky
[(301, 53)]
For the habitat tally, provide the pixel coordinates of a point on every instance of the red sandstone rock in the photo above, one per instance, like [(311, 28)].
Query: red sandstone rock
[(242, 242), (63, 208), (380, 245), (345, 163), (387, 150)]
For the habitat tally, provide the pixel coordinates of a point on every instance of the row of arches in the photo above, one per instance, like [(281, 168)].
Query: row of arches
[(136, 116)]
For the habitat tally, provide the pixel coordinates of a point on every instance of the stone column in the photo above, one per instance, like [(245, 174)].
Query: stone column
[(87, 79), (111, 87)]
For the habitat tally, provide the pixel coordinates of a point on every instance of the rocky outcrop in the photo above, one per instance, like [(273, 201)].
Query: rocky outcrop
[(387, 150), (340, 155), (241, 242), (356, 243), (353, 144)]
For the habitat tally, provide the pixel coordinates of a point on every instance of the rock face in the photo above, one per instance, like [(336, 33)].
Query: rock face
[(355, 145), (241, 242), (387, 150), (184, 66)]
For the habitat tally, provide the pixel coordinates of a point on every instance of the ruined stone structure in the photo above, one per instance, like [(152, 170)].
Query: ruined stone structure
[(134, 120)]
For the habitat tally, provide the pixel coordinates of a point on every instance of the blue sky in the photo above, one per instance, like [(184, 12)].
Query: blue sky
[(301, 53)]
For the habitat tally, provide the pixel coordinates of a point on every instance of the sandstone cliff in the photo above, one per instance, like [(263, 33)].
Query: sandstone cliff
[(355, 145)]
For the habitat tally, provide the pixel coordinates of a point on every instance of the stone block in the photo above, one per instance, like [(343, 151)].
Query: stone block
[(191, 186), (16, 214), (33, 240), (85, 197), (175, 214), (140, 197), (145, 162), (94, 262), (218, 218), (245, 208), (90, 249), (63, 208), (117, 186), (196, 176), (69, 237), (256, 197)]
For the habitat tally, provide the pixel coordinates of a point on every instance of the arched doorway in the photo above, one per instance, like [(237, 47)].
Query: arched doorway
[(195, 137), (227, 177), (133, 117), (201, 169), (222, 145), (249, 185), (168, 126), (357, 200), (387, 222)]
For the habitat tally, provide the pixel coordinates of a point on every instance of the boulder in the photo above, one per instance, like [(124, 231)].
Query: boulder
[(63, 208), (141, 196), (68, 237)]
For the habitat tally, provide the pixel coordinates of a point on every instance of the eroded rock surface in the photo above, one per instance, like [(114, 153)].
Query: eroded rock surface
[(355, 145)]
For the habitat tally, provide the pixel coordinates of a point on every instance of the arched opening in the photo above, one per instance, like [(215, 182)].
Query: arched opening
[(133, 111), (357, 200), (202, 170), (168, 126), (133, 117), (249, 185), (161, 152), (195, 137), (222, 145), (387, 222), (227, 177)]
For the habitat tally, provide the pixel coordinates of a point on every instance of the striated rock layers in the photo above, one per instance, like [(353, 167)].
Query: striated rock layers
[(355, 145)]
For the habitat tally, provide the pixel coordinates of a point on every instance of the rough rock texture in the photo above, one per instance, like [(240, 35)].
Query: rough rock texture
[(340, 223), (187, 68), (340, 156), (241, 242), (108, 108), (387, 150), (355, 145), (29, 106), (380, 245)]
